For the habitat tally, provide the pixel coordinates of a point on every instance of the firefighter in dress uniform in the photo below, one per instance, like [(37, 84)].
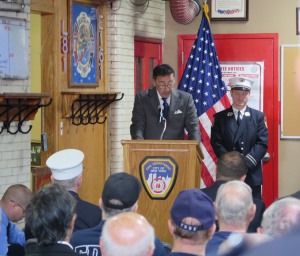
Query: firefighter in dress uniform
[(243, 129)]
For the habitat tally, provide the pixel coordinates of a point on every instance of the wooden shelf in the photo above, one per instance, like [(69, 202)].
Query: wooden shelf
[(20, 107), (88, 108)]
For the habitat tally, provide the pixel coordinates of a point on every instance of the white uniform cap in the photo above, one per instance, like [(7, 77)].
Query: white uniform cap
[(66, 164), (240, 83)]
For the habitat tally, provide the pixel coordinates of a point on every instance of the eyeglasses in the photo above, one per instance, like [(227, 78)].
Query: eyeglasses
[(163, 85)]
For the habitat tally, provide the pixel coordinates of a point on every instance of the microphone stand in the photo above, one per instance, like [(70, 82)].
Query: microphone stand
[(163, 120)]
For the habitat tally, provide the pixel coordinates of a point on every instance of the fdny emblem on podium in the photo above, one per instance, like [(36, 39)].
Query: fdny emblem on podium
[(158, 175)]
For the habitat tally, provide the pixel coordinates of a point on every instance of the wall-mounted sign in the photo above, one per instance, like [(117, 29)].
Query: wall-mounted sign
[(253, 70), (158, 175), (14, 49)]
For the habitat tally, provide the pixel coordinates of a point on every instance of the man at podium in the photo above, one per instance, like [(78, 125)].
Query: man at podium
[(163, 112)]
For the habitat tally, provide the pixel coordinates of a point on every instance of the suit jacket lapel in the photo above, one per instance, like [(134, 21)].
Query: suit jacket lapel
[(153, 98), (243, 125), (231, 122), (175, 99)]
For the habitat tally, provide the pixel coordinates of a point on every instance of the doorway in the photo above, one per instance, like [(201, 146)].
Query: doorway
[(147, 54)]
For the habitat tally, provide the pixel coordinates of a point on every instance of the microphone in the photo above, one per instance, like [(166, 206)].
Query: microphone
[(162, 119)]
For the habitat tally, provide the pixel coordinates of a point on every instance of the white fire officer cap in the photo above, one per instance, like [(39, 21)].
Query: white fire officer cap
[(240, 83), (66, 164)]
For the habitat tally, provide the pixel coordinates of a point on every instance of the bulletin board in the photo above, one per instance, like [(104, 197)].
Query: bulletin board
[(14, 49), (290, 93)]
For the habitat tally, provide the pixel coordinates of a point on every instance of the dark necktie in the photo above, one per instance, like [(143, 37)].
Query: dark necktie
[(238, 120), (166, 108)]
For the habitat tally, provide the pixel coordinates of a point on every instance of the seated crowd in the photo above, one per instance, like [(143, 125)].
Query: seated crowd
[(223, 219)]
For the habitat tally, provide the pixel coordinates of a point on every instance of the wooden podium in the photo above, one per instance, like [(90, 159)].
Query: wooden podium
[(140, 156)]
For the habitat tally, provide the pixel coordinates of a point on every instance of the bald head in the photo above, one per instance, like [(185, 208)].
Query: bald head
[(127, 233), (15, 200)]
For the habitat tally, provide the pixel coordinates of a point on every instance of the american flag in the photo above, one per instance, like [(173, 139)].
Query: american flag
[(202, 78)]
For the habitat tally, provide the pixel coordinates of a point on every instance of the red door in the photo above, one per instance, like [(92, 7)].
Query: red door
[(251, 48), (147, 54)]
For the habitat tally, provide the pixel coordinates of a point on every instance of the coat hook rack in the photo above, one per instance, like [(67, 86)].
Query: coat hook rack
[(88, 108), (20, 107)]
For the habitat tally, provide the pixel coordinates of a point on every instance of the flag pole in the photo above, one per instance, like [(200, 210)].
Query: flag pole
[(206, 10)]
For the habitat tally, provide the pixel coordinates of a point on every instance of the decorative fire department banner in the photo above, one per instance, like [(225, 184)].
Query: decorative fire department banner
[(84, 44)]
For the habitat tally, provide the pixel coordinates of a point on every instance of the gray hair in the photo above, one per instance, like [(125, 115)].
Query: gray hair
[(281, 216), (109, 212), (233, 203), (67, 184)]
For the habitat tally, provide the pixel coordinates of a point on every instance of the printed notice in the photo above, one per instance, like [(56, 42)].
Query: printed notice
[(14, 49)]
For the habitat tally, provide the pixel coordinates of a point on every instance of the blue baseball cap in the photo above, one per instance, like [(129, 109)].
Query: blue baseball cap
[(196, 204)]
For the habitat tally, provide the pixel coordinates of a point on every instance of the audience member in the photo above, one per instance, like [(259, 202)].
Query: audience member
[(120, 194), (232, 166), (234, 211), (287, 244), (51, 216), (127, 234), (66, 168), (238, 243), (12, 207), (280, 217), (192, 223)]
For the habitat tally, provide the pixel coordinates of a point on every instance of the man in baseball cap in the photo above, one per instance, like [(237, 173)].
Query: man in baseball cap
[(192, 222), (120, 194)]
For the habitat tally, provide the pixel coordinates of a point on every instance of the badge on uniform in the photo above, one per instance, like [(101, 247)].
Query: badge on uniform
[(247, 113), (229, 114)]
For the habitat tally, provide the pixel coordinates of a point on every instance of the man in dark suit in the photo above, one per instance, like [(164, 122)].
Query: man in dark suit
[(232, 166), (242, 129), (164, 112), (66, 168)]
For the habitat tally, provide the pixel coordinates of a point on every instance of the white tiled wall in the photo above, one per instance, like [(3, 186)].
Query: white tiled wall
[(125, 21), (15, 149)]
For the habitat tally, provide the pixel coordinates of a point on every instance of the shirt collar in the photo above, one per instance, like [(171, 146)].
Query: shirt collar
[(160, 100), (66, 243), (235, 110)]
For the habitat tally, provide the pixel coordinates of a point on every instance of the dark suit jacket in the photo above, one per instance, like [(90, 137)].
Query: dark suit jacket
[(52, 250), (182, 115), (250, 138), (260, 205), (88, 215)]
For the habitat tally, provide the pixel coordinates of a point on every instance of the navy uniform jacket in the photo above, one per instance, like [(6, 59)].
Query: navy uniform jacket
[(88, 215), (260, 205), (51, 250), (182, 115), (250, 138)]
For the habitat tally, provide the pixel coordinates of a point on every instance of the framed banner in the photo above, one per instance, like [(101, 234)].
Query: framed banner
[(228, 10), (84, 62)]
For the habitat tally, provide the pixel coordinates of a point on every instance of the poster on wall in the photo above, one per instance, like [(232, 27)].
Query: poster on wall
[(253, 70), (84, 44), (14, 49)]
